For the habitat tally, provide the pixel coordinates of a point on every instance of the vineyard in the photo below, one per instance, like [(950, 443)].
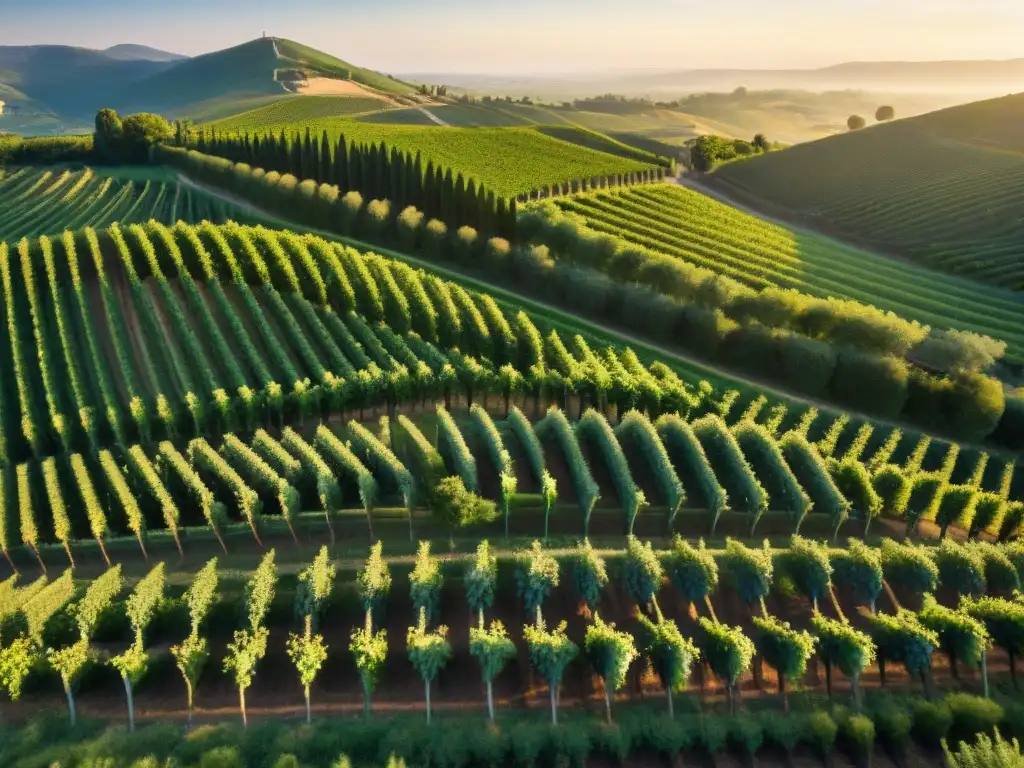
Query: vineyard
[(921, 187), (300, 109), (509, 161), (703, 232), (38, 201), (537, 633)]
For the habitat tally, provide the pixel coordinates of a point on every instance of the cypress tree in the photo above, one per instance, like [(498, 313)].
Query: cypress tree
[(500, 215), (383, 173), (483, 211), (470, 208), (355, 167), (201, 144), (326, 166), (459, 202), (341, 165), (448, 200), (396, 168), (428, 200), (417, 181), (295, 157), (305, 171), (282, 157)]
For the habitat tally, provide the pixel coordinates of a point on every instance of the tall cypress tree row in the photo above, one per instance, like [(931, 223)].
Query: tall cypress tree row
[(396, 167), (312, 169), (368, 158), (428, 202), (448, 212), (470, 206), (383, 174), (355, 167), (305, 170), (282, 153), (417, 181), (341, 160), (326, 165), (295, 157)]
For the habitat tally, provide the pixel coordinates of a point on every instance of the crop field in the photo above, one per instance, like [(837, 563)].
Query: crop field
[(36, 201), (700, 230), (509, 161), (945, 203), (297, 109)]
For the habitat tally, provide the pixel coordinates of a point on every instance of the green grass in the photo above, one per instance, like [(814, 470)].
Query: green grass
[(320, 63), (943, 189), (510, 161), (47, 201), (700, 230), (298, 109)]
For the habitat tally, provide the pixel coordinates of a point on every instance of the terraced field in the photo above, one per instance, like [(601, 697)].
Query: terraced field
[(298, 109), (49, 201), (933, 188), (696, 228), (509, 161)]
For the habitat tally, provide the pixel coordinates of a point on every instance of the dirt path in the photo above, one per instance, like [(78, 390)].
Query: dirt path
[(433, 118)]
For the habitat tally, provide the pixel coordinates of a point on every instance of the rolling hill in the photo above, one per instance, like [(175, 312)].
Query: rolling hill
[(944, 189), (131, 52)]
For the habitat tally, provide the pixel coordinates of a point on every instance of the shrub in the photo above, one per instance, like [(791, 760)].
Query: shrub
[(409, 223), (821, 732), (932, 721), (870, 384), (351, 206), (986, 752), (435, 238), (857, 734), (971, 715), (892, 725)]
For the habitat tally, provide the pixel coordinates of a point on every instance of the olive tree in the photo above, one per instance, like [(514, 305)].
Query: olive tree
[(610, 652), (961, 637), (641, 572), (728, 653), (748, 571), (692, 570), (807, 564), (589, 575), (370, 650), (671, 655), (429, 652), (550, 653), (536, 576), (492, 648), (859, 567), (786, 650), (842, 646)]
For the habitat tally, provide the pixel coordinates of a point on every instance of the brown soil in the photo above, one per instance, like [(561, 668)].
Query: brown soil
[(168, 342), (94, 298)]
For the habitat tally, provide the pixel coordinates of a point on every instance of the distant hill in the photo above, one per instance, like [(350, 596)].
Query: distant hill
[(945, 189), (129, 52), (72, 83)]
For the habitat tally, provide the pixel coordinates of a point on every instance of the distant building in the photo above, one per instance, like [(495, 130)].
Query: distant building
[(1, 109)]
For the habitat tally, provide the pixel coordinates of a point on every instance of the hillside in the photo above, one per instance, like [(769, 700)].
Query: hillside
[(130, 52), (944, 189)]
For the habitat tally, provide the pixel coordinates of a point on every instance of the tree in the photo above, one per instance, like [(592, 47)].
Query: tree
[(536, 576), (244, 654), (374, 582), (370, 649), (859, 567), (693, 570), (190, 657), (456, 507), (140, 607), (1004, 622), (481, 578), (492, 648), (671, 655), (314, 587), (425, 583), (806, 563), (68, 663), (308, 652), (17, 658), (855, 122), (728, 652), (761, 143), (589, 575), (884, 113), (550, 654), (141, 131), (904, 639), (549, 492), (961, 637), (610, 652), (909, 565), (131, 665), (429, 652), (842, 646), (785, 649), (106, 139), (961, 568), (641, 572), (748, 571)]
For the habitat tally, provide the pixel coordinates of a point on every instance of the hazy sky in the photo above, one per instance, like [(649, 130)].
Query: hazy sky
[(536, 36)]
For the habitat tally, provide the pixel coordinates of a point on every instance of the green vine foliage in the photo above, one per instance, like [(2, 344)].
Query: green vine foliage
[(491, 647), (859, 568), (909, 565), (17, 659), (902, 638), (641, 572), (370, 650), (374, 582), (748, 571), (425, 583), (201, 594), (1003, 620), (308, 652), (536, 576), (144, 601), (610, 653), (131, 664), (589, 574), (985, 753), (692, 570), (481, 579), (259, 591), (672, 656), (315, 583), (1000, 572), (961, 568), (244, 654), (807, 564), (190, 657), (98, 599), (726, 650), (784, 649), (550, 652), (961, 637)]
